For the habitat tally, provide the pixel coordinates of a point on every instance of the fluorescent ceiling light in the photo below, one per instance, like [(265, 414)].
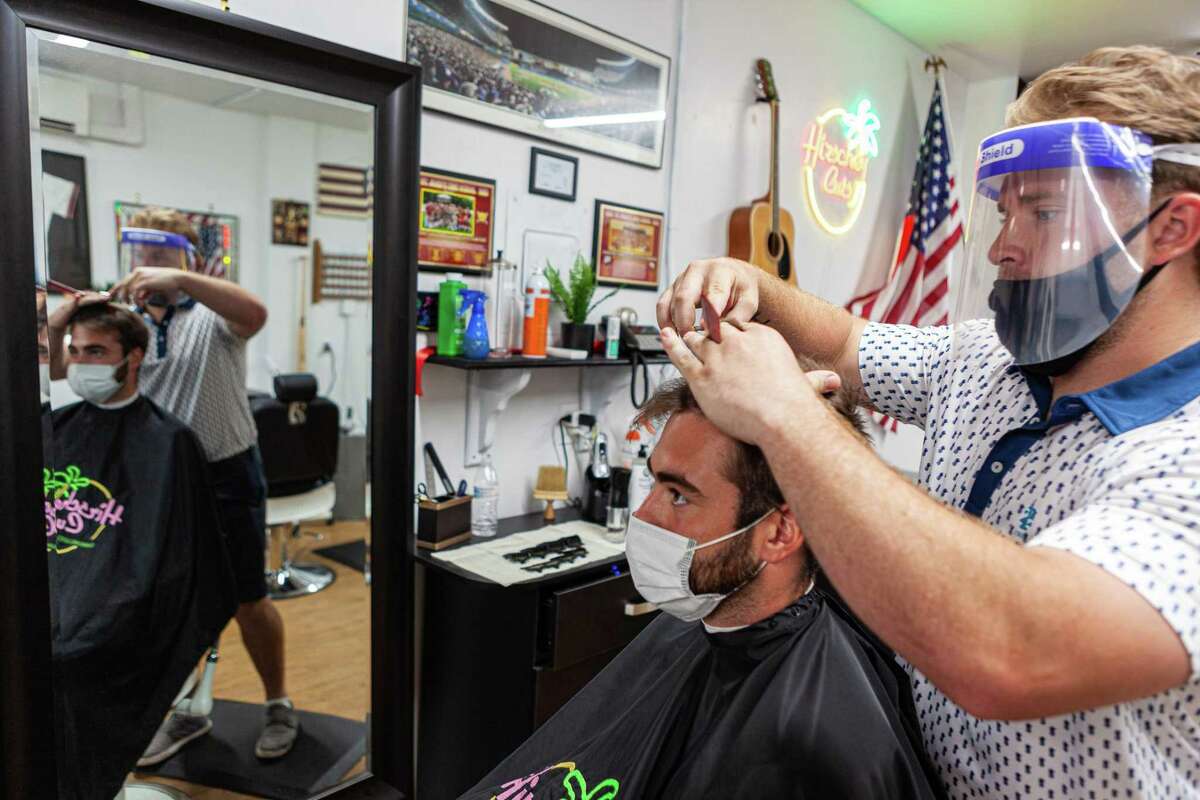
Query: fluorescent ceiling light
[(606, 119), (70, 41)]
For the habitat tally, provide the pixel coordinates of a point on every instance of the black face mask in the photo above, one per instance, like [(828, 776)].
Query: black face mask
[(1050, 323)]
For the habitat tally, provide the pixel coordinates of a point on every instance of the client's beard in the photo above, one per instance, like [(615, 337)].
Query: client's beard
[(722, 573)]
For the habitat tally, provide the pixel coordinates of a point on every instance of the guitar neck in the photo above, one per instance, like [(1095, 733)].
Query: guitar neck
[(773, 191)]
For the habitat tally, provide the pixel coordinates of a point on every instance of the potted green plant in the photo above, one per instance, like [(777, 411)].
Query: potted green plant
[(575, 299)]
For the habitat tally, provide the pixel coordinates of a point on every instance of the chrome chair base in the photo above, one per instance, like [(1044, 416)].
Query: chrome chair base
[(297, 580)]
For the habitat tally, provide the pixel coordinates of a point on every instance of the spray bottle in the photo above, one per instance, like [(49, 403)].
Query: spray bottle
[(475, 339)]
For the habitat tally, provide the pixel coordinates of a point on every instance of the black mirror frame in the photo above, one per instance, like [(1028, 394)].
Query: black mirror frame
[(199, 35)]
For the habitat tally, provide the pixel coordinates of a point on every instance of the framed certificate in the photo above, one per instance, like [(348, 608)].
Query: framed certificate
[(553, 174), (627, 248), (455, 221)]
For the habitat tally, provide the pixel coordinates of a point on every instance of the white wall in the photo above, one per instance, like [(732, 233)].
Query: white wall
[(524, 439)]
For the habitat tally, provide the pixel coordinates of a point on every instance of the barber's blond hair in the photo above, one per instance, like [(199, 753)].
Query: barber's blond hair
[(1146, 88), (165, 219)]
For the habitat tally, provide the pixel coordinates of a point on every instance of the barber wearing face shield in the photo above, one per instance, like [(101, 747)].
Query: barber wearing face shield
[(1042, 584)]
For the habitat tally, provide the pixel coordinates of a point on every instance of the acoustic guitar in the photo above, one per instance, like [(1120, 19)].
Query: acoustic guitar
[(762, 232)]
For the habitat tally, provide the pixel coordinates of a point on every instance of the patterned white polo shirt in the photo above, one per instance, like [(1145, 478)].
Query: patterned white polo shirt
[(1113, 476), (196, 369)]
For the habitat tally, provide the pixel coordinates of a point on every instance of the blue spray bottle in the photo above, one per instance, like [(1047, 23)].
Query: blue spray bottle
[(475, 340)]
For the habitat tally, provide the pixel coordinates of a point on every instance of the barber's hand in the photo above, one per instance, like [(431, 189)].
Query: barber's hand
[(748, 380), (138, 285), (61, 315), (729, 285)]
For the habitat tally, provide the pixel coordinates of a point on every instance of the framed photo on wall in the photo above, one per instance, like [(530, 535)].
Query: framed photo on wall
[(553, 174), (455, 221), (520, 65), (627, 245), (289, 222)]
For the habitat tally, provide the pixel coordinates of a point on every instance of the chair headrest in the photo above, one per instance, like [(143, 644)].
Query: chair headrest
[(295, 387)]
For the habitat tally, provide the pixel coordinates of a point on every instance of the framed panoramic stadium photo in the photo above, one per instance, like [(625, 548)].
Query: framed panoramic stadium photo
[(519, 65)]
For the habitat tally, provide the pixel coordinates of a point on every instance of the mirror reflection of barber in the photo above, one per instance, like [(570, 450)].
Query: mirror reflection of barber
[(195, 368), (1066, 596)]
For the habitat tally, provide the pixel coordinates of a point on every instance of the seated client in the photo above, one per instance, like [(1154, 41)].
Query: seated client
[(755, 682), (140, 583)]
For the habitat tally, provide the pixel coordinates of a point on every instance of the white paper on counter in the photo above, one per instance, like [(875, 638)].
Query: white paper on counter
[(487, 560)]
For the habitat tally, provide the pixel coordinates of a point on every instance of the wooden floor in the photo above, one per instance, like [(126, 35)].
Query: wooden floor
[(328, 641)]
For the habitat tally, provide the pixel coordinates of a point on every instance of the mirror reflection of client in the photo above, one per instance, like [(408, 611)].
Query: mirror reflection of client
[(755, 682), (196, 369), (140, 579)]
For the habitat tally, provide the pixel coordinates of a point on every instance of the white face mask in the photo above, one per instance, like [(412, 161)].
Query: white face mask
[(94, 382), (44, 380), (661, 563)]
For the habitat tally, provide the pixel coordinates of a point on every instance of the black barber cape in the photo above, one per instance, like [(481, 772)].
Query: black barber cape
[(140, 582), (804, 704)]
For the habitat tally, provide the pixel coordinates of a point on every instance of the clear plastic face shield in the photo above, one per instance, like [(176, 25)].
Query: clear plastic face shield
[(1057, 240), (148, 247)]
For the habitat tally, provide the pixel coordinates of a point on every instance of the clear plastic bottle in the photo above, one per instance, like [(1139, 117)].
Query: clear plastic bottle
[(485, 505), (641, 482), (508, 307)]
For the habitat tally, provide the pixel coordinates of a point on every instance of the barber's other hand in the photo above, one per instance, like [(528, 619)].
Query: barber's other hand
[(731, 287), (747, 382), (138, 285), (59, 317)]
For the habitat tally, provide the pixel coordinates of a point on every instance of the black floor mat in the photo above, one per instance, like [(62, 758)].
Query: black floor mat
[(351, 554), (326, 748)]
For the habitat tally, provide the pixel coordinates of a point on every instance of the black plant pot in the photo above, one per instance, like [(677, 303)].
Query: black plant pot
[(578, 337)]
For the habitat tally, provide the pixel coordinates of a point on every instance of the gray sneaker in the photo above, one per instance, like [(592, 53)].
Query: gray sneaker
[(280, 726), (176, 731)]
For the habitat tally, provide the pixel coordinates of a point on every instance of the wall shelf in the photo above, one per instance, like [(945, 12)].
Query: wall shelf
[(493, 382), (520, 362)]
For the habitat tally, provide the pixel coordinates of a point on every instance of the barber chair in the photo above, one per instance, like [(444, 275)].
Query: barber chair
[(298, 439)]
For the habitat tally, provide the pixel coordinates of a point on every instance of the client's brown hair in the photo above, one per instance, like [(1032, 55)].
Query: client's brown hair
[(131, 332), (747, 468)]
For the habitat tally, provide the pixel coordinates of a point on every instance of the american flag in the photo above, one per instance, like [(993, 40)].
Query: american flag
[(917, 287)]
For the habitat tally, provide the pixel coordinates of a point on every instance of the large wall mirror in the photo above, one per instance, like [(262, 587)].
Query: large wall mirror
[(214, 218)]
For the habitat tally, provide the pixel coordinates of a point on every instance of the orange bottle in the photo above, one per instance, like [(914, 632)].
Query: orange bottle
[(537, 315)]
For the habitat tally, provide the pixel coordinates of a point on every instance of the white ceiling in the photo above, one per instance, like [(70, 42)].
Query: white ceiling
[(986, 38), (204, 86)]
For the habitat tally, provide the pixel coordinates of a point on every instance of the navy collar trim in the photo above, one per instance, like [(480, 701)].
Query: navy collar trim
[(186, 305), (1139, 399)]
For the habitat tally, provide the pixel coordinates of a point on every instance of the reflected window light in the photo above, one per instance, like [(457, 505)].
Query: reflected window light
[(70, 41), (606, 119)]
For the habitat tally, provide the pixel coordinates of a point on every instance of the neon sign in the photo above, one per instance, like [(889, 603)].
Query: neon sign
[(837, 151)]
